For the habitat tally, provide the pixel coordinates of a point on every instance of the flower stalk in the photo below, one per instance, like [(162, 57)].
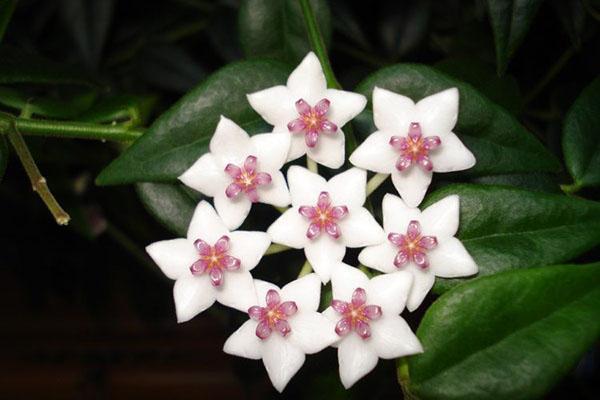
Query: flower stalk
[(375, 182)]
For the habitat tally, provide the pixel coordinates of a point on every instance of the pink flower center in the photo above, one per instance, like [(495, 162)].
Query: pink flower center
[(356, 314), (214, 260), (274, 316), (312, 121), (413, 246), (414, 148), (246, 179), (323, 217)]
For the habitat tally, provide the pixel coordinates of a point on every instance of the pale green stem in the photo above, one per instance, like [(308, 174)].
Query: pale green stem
[(306, 269), (276, 248), (311, 165), (375, 182), (571, 189)]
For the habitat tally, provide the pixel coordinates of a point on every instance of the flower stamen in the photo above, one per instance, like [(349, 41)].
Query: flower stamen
[(356, 314), (413, 246), (246, 179), (312, 121), (414, 149), (323, 216), (214, 260), (274, 316)]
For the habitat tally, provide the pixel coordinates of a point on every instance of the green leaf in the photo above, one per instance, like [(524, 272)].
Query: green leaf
[(581, 137), (571, 15), (48, 106), (510, 22), (506, 228), (181, 134), (276, 29), (120, 108), (507, 336), (6, 10), (500, 143), (172, 204), (3, 156), (540, 181)]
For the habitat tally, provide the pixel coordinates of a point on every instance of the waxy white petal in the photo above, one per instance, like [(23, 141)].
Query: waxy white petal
[(275, 193), (330, 149), (237, 290), (344, 106), (391, 337), (345, 279), (441, 218), (244, 342), (360, 229), (355, 359), (423, 281), (311, 331), (297, 145), (206, 224), (392, 112), (376, 154), (206, 175), (323, 253), (192, 295), (229, 142), (348, 188), (412, 184), (379, 257), (275, 104), (233, 211), (290, 229), (174, 257), (307, 81), (305, 186), (438, 113), (282, 360), (397, 215), (305, 291), (271, 151), (248, 247), (452, 155), (390, 291), (450, 259)]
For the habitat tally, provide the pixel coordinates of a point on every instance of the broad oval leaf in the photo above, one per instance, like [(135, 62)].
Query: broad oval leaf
[(276, 28), (3, 156), (507, 336), (507, 228), (581, 137), (500, 143), (510, 22), (181, 134)]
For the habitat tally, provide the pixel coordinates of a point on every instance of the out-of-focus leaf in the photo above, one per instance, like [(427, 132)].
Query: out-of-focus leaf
[(571, 15), (581, 137), (120, 108), (6, 10), (539, 181), (3, 156), (506, 228), (504, 90), (182, 134), (507, 336), (510, 22), (276, 29), (500, 143), (223, 33), (403, 25), (48, 106)]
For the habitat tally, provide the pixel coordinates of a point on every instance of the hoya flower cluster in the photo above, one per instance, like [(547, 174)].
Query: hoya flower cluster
[(322, 217)]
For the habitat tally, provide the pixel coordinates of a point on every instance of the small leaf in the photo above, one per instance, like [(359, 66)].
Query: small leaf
[(48, 106), (506, 228), (500, 143), (6, 10), (276, 29), (510, 22), (3, 156), (507, 336), (181, 135), (581, 137)]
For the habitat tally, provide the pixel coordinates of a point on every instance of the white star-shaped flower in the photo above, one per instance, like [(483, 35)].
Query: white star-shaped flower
[(326, 217), (413, 141), (284, 326), (240, 170), (422, 243), (211, 264), (366, 314), (311, 113)]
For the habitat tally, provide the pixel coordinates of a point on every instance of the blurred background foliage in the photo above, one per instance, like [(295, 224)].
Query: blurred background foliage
[(85, 312)]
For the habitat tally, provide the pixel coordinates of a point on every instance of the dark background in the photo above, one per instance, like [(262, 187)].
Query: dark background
[(85, 313)]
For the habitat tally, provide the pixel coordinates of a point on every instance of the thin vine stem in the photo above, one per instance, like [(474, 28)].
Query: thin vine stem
[(552, 72), (311, 165), (276, 248), (306, 269), (375, 182)]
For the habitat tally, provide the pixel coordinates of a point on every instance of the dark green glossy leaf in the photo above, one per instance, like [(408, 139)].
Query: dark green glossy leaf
[(275, 28), (581, 137), (181, 135), (120, 108), (510, 22), (172, 204), (500, 143), (506, 228), (540, 181), (571, 15), (507, 336), (3, 156), (6, 10), (48, 106)]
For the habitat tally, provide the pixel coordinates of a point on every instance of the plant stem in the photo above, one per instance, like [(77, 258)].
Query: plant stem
[(276, 248), (375, 182), (38, 182), (571, 189), (306, 269), (312, 165), (317, 43), (404, 378), (552, 72)]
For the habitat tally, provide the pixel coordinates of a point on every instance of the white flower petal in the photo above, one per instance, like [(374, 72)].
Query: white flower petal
[(289, 229), (379, 257), (237, 291), (391, 337), (356, 359), (423, 281), (262, 287), (230, 142), (344, 106), (437, 113), (311, 331), (248, 247), (206, 224), (348, 188), (305, 186), (441, 218), (244, 342), (206, 176), (275, 193), (375, 154), (412, 184), (330, 149), (297, 146), (174, 257), (360, 229), (192, 294), (305, 291), (333, 317), (323, 253), (392, 112), (307, 81), (271, 150), (282, 360), (233, 211), (450, 259), (345, 279), (390, 291), (275, 104), (397, 215), (452, 155)]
